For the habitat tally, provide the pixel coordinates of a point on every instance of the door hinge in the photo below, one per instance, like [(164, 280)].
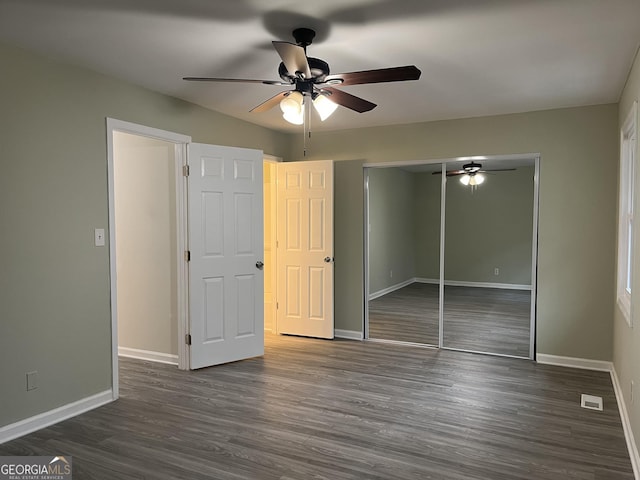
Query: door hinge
[(187, 256), (185, 170), (277, 305), (187, 339)]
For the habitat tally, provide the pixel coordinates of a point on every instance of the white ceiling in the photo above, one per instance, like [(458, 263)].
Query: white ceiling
[(478, 57)]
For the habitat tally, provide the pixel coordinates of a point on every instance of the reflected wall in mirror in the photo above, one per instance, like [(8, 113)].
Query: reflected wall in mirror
[(404, 253), (488, 261)]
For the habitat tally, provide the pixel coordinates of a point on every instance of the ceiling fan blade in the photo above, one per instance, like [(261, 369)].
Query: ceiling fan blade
[(393, 74), (294, 58), (234, 80), (269, 104), (349, 101), (450, 173), (453, 173)]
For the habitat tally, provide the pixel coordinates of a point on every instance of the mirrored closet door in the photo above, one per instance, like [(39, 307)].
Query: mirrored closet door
[(488, 245), (404, 217)]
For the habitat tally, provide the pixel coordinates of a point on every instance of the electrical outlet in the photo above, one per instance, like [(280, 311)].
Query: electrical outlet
[(32, 380), (496, 271)]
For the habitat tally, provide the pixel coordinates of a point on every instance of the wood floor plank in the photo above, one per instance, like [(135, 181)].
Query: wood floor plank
[(346, 410)]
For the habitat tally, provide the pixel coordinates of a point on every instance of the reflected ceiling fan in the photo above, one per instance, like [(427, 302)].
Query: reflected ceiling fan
[(310, 78), (472, 173)]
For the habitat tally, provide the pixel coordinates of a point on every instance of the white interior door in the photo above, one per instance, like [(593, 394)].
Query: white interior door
[(226, 282), (305, 249)]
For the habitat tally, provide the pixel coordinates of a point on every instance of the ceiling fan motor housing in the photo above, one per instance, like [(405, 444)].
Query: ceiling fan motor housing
[(472, 168), (304, 36), (319, 71)]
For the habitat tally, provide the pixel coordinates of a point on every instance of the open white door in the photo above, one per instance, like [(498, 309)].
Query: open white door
[(305, 249), (226, 282)]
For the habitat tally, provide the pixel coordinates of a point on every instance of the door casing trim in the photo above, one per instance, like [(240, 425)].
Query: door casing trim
[(180, 141)]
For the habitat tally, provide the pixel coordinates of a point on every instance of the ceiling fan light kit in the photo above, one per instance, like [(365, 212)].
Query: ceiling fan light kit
[(472, 179), (472, 174), (310, 78)]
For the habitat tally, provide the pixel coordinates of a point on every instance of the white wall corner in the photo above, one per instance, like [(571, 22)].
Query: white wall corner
[(392, 288), (348, 334), (46, 419), (626, 425)]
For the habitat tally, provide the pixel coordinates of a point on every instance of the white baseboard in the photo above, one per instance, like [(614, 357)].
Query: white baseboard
[(456, 283), (46, 419), (572, 362), (626, 425), (392, 288), (348, 334), (148, 355)]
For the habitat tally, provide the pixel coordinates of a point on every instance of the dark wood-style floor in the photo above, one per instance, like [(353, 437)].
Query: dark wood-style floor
[(338, 410), (488, 320)]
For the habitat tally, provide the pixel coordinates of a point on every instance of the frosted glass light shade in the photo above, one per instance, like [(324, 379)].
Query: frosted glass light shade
[(477, 179), (324, 107), (297, 118), (472, 180), (292, 104)]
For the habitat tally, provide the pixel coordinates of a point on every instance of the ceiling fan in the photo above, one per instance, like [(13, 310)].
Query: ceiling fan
[(472, 173), (310, 77)]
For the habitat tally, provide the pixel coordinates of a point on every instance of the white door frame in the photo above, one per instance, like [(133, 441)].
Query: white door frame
[(534, 254), (180, 141), (273, 257)]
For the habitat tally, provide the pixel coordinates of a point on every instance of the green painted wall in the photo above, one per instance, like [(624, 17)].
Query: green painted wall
[(577, 216), (391, 228), (490, 227), (426, 214), (54, 286), (626, 342)]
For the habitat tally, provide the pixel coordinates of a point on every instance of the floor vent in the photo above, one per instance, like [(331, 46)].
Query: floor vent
[(591, 402)]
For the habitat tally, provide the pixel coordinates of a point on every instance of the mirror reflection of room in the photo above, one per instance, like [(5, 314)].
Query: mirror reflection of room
[(487, 245), (488, 259), (404, 253)]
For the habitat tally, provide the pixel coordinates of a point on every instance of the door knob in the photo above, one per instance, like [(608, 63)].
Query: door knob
[(328, 259), (259, 265)]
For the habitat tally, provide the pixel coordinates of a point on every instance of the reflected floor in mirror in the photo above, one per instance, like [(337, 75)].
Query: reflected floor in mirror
[(480, 319), (409, 314)]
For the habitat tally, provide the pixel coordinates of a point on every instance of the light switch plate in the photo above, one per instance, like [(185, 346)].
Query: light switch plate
[(99, 237), (32, 380)]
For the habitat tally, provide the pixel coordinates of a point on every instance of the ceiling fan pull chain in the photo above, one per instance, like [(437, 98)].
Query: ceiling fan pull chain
[(304, 126)]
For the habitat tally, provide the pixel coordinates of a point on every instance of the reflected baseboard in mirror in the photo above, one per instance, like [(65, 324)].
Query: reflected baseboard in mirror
[(488, 320)]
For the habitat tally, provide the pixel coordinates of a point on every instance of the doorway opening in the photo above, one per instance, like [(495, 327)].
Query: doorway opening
[(146, 250), (131, 150), (148, 222), (450, 264), (270, 258)]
